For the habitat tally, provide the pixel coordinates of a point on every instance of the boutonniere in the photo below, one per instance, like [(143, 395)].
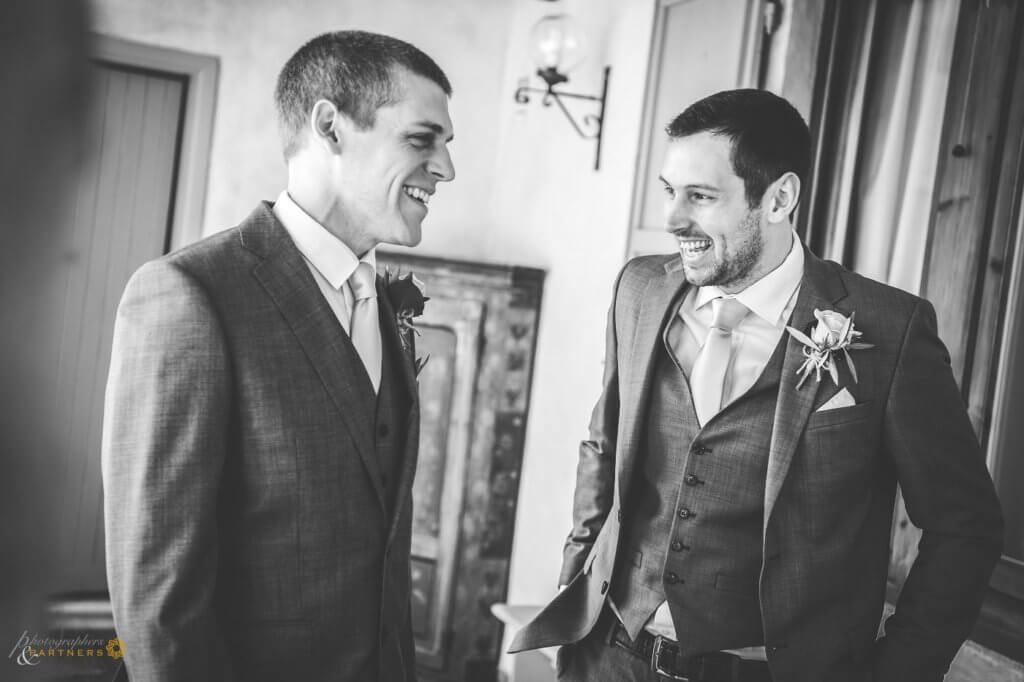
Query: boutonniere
[(406, 297), (833, 333)]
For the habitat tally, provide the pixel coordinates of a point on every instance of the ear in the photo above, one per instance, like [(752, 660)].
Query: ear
[(323, 122), (782, 197)]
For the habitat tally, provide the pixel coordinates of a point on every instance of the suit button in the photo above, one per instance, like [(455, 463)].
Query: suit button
[(672, 578), (677, 546), (685, 513), (604, 586), (691, 480), (383, 430), (701, 450)]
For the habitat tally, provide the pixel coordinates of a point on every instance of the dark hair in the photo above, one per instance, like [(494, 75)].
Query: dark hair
[(769, 137), (354, 70)]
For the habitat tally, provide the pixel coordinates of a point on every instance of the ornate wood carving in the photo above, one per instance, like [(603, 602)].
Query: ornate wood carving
[(479, 329)]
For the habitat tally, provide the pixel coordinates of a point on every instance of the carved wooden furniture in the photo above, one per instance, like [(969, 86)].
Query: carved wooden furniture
[(479, 330)]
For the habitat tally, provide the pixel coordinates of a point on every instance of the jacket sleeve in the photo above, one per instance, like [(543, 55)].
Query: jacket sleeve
[(163, 453), (949, 495), (595, 472)]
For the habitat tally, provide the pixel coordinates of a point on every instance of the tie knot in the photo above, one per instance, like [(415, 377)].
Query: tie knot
[(363, 282), (728, 312)]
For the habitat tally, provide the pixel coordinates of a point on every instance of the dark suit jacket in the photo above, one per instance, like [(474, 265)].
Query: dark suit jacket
[(830, 488), (247, 533)]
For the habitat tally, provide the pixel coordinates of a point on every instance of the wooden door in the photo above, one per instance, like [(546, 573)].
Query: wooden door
[(699, 48), (973, 271), (121, 219)]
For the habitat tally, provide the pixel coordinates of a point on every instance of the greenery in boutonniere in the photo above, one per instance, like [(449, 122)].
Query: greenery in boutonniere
[(833, 333), (406, 296)]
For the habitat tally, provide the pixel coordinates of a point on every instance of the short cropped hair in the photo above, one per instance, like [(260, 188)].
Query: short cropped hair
[(769, 137), (352, 69)]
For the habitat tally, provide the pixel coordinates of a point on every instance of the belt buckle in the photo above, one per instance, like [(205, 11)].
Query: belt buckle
[(659, 643)]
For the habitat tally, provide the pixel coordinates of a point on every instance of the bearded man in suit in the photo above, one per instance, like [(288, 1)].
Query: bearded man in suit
[(734, 499), (262, 421)]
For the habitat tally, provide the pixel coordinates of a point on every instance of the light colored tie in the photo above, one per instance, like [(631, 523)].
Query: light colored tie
[(365, 327), (707, 380)]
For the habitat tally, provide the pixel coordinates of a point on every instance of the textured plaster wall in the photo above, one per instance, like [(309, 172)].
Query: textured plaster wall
[(253, 38)]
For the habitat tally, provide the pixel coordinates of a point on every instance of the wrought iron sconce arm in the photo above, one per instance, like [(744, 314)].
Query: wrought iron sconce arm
[(594, 122)]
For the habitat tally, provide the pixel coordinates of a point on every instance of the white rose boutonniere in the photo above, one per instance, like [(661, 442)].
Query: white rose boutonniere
[(833, 333)]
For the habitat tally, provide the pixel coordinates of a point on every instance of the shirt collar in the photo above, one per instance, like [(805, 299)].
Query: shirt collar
[(769, 296), (325, 252)]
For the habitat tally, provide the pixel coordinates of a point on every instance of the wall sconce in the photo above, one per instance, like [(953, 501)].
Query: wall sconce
[(557, 47)]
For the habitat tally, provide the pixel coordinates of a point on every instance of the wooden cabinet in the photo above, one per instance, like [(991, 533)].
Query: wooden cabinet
[(479, 330)]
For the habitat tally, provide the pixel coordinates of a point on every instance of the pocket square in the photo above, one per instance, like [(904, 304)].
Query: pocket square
[(841, 399)]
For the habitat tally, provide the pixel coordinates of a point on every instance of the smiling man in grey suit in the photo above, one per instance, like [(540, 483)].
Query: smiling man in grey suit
[(262, 420), (734, 500)]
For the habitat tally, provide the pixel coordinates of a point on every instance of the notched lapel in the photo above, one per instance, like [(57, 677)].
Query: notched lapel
[(820, 288), (658, 302), (390, 326), (283, 274), (392, 336)]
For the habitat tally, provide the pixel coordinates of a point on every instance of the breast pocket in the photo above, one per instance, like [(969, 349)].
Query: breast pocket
[(841, 450), (839, 416)]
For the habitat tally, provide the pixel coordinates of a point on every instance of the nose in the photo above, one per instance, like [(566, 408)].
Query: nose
[(440, 165), (677, 216)]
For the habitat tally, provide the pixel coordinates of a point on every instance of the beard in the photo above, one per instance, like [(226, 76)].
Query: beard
[(739, 259)]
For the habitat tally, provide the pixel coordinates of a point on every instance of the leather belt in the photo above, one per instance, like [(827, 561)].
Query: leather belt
[(666, 660)]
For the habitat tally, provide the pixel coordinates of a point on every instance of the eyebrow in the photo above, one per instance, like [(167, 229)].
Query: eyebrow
[(695, 185), (437, 128)]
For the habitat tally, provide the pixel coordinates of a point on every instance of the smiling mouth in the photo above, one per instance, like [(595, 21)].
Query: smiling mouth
[(417, 194), (694, 247)]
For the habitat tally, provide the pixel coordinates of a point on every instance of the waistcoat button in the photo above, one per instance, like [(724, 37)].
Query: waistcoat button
[(685, 513), (691, 480), (672, 578), (677, 546)]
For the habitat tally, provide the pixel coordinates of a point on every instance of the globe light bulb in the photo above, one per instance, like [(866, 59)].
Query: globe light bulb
[(557, 43)]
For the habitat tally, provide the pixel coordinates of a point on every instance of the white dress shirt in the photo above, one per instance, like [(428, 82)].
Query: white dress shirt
[(771, 300), (329, 260)]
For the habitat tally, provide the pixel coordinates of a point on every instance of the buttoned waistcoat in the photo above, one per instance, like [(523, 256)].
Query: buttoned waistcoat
[(829, 486)]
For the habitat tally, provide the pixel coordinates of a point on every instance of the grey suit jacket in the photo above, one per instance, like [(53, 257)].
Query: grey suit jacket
[(830, 488), (247, 532)]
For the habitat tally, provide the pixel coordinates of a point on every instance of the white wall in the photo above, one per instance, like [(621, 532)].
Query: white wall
[(573, 221), (253, 38), (525, 193)]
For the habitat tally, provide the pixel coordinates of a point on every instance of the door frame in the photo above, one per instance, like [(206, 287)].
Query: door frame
[(200, 74)]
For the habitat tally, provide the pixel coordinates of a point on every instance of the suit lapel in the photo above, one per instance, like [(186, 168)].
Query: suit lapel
[(819, 289), (396, 353), (658, 302), (389, 328), (285, 277)]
